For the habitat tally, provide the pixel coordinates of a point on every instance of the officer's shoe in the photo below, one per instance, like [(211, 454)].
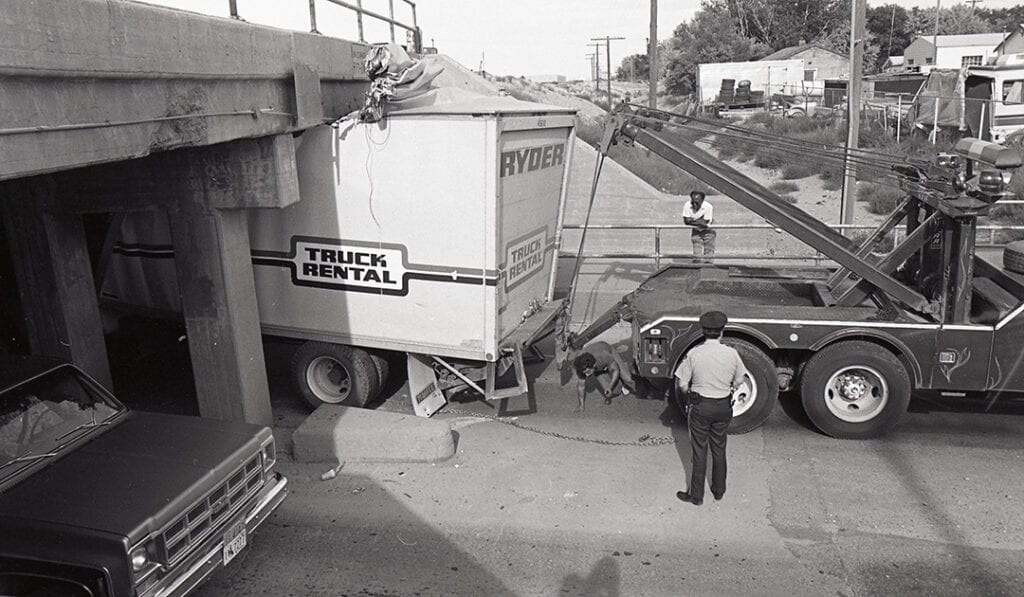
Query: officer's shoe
[(718, 496), (686, 497)]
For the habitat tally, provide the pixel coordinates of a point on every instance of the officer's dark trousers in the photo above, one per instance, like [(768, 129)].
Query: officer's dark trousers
[(708, 421)]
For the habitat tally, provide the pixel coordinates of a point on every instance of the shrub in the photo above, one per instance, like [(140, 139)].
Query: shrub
[(789, 198), (785, 186), (1008, 215), (795, 170), (885, 245), (881, 200)]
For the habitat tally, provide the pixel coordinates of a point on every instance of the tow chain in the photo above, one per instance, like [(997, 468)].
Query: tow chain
[(644, 441)]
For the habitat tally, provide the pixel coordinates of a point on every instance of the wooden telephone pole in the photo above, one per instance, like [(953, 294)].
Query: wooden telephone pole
[(652, 58), (608, 56), (853, 93), (597, 66)]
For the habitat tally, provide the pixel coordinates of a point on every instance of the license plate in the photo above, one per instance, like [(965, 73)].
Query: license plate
[(234, 541)]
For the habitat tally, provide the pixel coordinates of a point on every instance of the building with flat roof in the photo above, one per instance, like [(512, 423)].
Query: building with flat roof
[(951, 51)]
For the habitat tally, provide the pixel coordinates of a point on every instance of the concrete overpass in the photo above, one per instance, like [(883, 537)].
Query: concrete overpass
[(111, 107)]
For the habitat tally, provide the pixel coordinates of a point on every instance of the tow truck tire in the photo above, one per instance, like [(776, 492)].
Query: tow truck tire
[(855, 390), (1013, 256), (328, 373), (753, 403)]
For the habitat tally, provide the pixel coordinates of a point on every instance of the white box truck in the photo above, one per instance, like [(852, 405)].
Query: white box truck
[(434, 233)]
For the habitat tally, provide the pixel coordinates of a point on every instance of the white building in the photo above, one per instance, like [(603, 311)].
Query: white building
[(954, 51)]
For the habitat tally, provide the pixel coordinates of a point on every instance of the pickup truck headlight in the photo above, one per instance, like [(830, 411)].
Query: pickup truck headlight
[(269, 454), (139, 559)]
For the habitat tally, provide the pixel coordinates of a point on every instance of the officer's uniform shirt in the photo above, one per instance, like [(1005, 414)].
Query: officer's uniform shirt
[(711, 369), (706, 211)]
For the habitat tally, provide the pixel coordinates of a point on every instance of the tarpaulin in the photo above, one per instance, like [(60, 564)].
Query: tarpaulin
[(940, 102)]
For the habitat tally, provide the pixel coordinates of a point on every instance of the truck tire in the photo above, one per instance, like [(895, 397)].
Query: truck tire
[(753, 402), (1013, 256), (854, 390), (334, 374), (383, 368)]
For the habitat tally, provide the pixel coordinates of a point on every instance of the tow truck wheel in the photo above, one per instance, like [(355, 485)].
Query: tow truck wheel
[(754, 400), (854, 390), (334, 374)]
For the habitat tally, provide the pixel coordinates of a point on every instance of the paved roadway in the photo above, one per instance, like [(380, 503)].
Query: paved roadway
[(932, 510)]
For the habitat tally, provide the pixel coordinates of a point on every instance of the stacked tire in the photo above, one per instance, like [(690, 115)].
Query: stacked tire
[(1013, 257)]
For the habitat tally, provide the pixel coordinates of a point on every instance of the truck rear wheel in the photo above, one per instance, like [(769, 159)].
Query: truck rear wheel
[(754, 400), (854, 390), (334, 374), (383, 369)]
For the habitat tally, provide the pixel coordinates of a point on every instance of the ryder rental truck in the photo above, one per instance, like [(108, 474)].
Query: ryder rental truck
[(432, 233)]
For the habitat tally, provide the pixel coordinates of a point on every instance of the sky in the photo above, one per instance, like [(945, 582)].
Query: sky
[(505, 37)]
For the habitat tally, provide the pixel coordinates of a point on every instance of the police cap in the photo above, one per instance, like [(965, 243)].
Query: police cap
[(696, 194), (713, 320)]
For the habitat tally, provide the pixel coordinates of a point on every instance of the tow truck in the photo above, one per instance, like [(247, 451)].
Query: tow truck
[(854, 339)]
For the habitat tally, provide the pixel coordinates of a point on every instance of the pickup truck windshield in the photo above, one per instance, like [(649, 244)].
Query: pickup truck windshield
[(38, 417)]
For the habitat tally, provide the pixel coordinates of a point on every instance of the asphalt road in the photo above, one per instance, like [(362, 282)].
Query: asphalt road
[(545, 504)]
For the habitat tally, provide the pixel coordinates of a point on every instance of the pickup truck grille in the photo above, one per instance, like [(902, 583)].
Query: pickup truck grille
[(204, 516)]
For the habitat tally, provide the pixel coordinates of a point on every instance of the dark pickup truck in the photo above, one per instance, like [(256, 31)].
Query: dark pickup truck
[(96, 500)]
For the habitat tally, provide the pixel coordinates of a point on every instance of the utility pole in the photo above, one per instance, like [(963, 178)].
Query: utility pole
[(853, 92), (597, 66), (935, 37), (608, 57), (652, 58)]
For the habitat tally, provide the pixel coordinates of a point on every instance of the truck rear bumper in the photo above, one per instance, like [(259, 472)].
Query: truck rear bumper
[(200, 568)]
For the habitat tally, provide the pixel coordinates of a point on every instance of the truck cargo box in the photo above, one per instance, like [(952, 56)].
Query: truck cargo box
[(432, 232)]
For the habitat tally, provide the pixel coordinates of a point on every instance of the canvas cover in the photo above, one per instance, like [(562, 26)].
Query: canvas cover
[(940, 102)]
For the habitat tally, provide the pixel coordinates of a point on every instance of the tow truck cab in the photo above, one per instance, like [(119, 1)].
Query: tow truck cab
[(97, 500)]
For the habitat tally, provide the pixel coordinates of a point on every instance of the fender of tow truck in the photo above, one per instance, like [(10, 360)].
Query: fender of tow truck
[(893, 343)]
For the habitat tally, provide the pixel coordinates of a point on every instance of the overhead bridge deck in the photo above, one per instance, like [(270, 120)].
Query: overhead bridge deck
[(112, 106)]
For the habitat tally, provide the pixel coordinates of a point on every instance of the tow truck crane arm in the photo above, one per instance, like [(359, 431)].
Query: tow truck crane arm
[(939, 200)]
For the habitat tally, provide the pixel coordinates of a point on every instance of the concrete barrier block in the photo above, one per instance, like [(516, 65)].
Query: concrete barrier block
[(349, 434)]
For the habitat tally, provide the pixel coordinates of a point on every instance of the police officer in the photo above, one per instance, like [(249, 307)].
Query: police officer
[(707, 376)]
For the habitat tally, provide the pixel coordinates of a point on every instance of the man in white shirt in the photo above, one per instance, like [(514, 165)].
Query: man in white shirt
[(699, 214), (707, 375)]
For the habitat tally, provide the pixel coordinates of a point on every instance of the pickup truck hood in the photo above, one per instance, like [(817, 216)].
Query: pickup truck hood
[(143, 465)]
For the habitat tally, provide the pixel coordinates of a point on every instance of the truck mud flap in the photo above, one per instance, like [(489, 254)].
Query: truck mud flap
[(427, 398)]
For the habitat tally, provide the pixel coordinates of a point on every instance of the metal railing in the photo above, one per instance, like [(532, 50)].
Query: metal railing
[(658, 254), (360, 13)]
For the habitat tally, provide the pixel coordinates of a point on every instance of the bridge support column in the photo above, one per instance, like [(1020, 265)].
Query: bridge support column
[(213, 259), (214, 265), (54, 276)]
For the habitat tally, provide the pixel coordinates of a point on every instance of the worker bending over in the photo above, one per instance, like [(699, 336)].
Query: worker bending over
[(600, 361)]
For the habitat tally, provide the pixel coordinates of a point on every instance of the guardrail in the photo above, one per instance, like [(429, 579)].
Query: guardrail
[(658, 254), (360, 13)]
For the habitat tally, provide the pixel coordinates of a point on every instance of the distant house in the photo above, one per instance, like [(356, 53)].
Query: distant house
[(820, 63), (557, 79), (893, 64), (954, 51), (1014, 42)]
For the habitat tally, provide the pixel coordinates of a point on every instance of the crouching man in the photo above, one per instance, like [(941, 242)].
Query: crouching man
[(600, 361)]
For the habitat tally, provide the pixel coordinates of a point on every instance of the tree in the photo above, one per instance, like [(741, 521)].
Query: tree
[(782, 23), (838, 40), (635, 67), (711, 36), (1002, 19), (958, 19), (891, 28)]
